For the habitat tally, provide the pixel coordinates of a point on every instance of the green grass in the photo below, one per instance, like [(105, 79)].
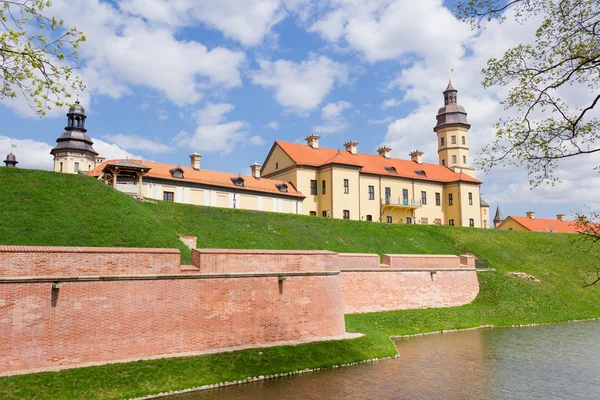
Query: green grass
[(50, 209)]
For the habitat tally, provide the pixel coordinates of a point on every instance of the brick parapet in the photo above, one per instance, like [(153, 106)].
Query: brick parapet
[(421, 261), (85, 261), (348, 261), (227, 261)]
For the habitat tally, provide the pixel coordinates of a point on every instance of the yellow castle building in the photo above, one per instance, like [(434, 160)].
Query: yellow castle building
[(307, 179), (358, 186)]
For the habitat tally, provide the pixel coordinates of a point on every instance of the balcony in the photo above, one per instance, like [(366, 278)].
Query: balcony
[(401, 202)]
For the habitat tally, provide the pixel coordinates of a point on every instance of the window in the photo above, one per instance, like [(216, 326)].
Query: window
[(346, 214), (424, 221), (471, 222), (276, 165), (346, 186), (449, 199), (441, 141), (76, 167), (388, 219), (369, 218), (438, 199), (283, 188), (453, 159), (168, 196), (484, 211), (437, 221), (464, 159), (420, 172), (391, 170), (408, 220), (239, 181), (323, 184), (484, 224), (61, 167), (470, 198), (324, 213), (313, 187), (405, 197), (443, 162), (388, 194), (178, 173), (453, 139), (464, 140), (423, 198), (451, 222), (371, 192), (313, 213)]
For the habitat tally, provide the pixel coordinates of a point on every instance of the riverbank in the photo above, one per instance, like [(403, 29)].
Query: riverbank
[(48, 205)]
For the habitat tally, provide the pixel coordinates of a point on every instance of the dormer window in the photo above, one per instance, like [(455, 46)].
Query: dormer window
[(283, 188), (391, 170), (176, 173), (420, 172), (239, 181)]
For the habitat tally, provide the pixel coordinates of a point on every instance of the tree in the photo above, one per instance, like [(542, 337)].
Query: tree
[(588, 228), (566, 52), (35, 55)]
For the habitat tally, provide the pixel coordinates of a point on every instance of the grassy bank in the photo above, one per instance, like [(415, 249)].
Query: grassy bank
[(45, 209)]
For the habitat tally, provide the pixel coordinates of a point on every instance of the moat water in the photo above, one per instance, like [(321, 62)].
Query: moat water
[(560, 361)]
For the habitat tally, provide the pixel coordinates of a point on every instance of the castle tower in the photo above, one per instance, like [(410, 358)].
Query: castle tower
[(452, 131), (498, 217), (74, 151), (11, 160)]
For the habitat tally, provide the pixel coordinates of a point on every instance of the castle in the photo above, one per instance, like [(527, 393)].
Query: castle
[(308, 179)]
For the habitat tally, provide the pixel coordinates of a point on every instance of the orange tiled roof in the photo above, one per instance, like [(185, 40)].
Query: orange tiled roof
[(546, 225), (207, 177), (302, 154)]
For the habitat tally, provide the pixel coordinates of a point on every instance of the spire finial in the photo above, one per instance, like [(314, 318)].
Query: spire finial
[(77, 101)]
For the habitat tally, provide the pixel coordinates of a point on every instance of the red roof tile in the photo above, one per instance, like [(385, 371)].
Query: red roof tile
[(302, 154), (207, 177), (546, 225)]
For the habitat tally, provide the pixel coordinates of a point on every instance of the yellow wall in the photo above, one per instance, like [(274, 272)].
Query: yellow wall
[(511, 224), (68, 160), (267, 204), (345, 201), (221, 199), (448, 150), (279, 159), (485, 217), (469, 211), (248, 202), (367, 206), (197, 197), (430, 211)]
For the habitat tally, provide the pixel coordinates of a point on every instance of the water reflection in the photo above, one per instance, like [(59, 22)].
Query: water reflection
[(559, 361)]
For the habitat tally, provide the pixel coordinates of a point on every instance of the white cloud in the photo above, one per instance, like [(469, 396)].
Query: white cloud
[(247, 21), (300, 87), (112, 151), (135, 142), (214, 132), (272, 125), (332, 117), (256, 140), (389, 103), (390, 29), (162, 115), (382, 121)]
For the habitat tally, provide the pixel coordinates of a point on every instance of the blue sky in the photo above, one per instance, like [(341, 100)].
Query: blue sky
[(228, 77)]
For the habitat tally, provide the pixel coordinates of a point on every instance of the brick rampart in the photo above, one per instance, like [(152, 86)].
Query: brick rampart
[(228, 260), (69, 306), (421, 261), (385, 290), (68, 261), (357, 261)]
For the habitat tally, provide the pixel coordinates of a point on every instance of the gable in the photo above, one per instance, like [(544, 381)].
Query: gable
[(276, 160)]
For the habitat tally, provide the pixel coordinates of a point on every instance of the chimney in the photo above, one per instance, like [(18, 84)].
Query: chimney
[(313, 140), (350, 146), (255, 168), (581, 218), (195, 161), (530, 214), (384, 151), (560, 217), (417, 156)]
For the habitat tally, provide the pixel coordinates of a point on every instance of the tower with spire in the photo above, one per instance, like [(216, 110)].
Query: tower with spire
[(11, 160), (452, 130), (498, 217), (74, 151)]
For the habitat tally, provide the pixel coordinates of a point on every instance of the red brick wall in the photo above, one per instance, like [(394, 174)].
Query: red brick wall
[(98, 321), (228, 260), (357, 261), (387, 290), (69, 261), (421, 261)]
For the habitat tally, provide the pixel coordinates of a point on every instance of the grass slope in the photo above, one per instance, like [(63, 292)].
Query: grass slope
[(43, 208)]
